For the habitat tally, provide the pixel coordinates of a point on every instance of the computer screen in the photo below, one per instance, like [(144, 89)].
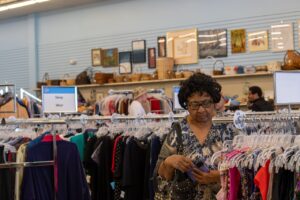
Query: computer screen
[(287, 87), (176, 105)]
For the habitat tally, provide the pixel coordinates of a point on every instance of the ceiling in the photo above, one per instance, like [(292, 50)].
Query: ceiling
[(46, 6)]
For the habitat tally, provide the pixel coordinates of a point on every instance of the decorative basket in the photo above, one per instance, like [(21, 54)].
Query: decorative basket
[(216, 71), (102, 78), (119, 79), (291, 60), (164, 67), (136, 77), (44, 80), (145, 77), (187, 74)]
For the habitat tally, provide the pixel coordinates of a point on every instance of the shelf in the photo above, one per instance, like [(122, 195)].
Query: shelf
[(169, 80)]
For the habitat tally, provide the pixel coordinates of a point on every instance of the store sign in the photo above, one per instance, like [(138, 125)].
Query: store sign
[(287, 90), (59, 99)]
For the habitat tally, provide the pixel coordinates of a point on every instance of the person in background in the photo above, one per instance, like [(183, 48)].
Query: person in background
[(256, 101), (200, 95), (140, 105)]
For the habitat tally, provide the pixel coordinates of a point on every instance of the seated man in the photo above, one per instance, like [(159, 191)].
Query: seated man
[(256, 101)]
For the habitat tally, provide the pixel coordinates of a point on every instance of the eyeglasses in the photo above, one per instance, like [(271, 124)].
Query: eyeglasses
[(195, 105)]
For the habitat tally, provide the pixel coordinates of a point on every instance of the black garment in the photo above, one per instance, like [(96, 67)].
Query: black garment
[(155, 149), (104, 190), (261, 105), (134, 170), (283, 185), (119, 155), (90, 165), (5, 180)]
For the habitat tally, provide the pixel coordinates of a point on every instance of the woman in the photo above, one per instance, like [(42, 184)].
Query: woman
[(140, 106), (200, 95)]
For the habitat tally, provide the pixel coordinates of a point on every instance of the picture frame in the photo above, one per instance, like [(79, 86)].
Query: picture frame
[(212, 43), (182, 45), (139, 51), (162, 46), (125, 62), (110, 57), (151, 58), (96, 57), (238, 41), (282, 37), (258, 41)]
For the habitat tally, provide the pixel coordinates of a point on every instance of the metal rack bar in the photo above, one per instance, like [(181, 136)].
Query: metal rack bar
[(26, 164)]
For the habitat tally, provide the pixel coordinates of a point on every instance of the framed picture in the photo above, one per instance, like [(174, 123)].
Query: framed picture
[(238, 41), (258, 41), (151, 57), (96, 57), (212, 43), (162, 46), (109, 57), (182, 45), (139, 51), (282, 37), (125, 62)]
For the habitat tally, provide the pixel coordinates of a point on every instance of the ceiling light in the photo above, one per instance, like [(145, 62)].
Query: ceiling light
[(21, 4)]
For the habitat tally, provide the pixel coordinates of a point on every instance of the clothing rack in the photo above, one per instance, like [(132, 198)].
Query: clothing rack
[(125, 92), (156, 91), (37, 163)]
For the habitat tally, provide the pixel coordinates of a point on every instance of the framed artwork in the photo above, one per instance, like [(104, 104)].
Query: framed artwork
[(162, 46), (212, 43), (125, 62), (238, 41), (109, 57), (96, 57), (282, 37), (182, 45), (151, 57), (139, 51), (258, 41)]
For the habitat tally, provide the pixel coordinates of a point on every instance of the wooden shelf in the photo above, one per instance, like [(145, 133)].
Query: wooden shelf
[(168, 80)]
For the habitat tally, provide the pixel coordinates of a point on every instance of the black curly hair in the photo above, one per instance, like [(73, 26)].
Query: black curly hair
[(199, 83)]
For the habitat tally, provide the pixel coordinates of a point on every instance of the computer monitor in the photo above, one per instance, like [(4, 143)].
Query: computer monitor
[(176, 105), (287, 87)]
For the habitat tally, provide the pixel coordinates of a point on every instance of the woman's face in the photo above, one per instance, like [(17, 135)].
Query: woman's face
[(201, 107)]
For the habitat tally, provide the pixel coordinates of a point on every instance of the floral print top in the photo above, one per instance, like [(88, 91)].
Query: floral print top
[(199, 153)]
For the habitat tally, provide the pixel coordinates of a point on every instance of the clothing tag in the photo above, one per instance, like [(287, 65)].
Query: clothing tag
[(88, 179), (122, 195), (113, 185)]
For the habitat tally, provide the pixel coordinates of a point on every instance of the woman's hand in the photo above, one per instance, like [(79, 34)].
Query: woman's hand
[(206, 178), (179, 162)]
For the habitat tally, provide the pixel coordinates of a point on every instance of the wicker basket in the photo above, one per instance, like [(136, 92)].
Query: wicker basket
[(102, 78), (216, 71), (119, 79), (164, 67), (136, 77)]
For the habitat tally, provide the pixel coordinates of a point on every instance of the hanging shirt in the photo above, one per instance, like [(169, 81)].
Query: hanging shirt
[(38, 181), (136, 109)]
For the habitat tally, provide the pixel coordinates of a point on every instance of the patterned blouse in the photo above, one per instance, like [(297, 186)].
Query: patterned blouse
[(199, 153)]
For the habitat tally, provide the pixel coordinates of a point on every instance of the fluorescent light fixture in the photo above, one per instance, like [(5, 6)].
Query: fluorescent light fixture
[(281, 26), (20, 4), (257, 33)]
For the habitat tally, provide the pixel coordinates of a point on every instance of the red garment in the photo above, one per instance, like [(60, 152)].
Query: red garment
[(235, 182), (261, 180), (114, 153), (49, 138), (155, 105)]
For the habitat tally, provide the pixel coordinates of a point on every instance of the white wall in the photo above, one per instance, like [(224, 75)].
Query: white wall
[(35, 44)]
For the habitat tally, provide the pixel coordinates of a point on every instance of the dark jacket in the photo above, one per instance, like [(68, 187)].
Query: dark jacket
[(261, 105)]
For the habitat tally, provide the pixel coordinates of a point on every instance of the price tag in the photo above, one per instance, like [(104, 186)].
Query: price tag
[(59, 99)]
